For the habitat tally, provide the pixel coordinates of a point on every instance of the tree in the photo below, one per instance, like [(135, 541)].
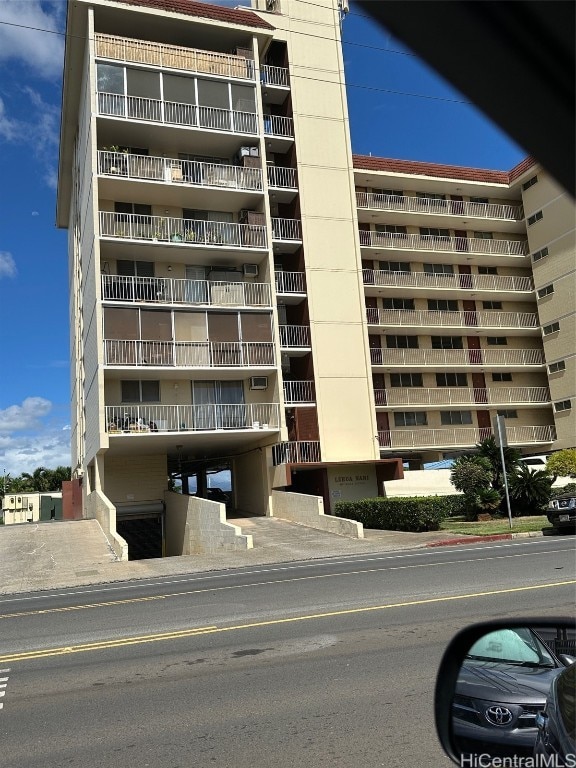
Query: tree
[(471, 473), (489, 450), (38, 481), (562, 463), (530, 490)]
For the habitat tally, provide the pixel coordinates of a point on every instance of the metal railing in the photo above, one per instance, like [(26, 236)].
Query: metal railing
[(444, 207), (176, 113), (173, 170), (165, 290), (295, 336), (447, 281), (447, 244), (290, 282), (296, 452), (460, 436), (420, 358), (296, 392), (286, 229), (282, 177), (277, 125), (270, 75), (134, 226), (442, 396), (444, 318), (174, 57), (189, 354), (134, 419)]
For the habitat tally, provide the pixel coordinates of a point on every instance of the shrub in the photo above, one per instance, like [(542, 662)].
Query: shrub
[(569, 488), (420, 513)]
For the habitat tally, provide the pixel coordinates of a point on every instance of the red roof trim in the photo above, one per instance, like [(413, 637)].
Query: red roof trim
[(203, 10), (521, 168), (369, 163)]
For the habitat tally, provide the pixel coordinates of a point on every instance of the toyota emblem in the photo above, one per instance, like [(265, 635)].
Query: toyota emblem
[(499, 716)]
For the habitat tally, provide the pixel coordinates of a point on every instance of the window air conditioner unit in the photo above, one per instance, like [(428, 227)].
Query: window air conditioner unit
[(250, 270), (259, 382)]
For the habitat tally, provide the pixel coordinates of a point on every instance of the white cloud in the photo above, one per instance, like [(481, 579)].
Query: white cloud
[(7, 265), (22, 36), (35, 213), (24, 416), (9, 129), (24, 453)]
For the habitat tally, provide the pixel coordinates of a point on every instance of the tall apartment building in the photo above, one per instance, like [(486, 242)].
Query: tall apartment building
[(246, 293)]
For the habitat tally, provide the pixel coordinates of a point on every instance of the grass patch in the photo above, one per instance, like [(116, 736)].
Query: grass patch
[(519, 525)]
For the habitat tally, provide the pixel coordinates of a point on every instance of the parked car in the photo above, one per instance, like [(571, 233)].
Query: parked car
[(562, 511), (217, 494), (556, 739)]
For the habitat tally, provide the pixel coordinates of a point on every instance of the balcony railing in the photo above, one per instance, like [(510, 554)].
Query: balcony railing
[(278, 76), (277, 125), (173, 57), (286, 229), (135, 419), (295, 336), (444, 207), (279, 177), (443, 396), (176, 113), (441, 318), (498, 283), (165, 290), (399, 240), (189, 354), (296, 392), (296, 452), (290, 282), (456, 358), (172, 170), (456, 437), (195, 232)]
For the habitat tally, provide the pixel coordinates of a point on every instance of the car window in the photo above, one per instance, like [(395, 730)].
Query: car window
[(566, 691), (520, 646)]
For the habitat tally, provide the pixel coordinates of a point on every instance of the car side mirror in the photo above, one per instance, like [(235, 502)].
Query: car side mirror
[(493, 683)]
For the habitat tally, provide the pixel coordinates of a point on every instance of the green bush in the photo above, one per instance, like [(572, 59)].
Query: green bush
[(569, 488), (419, 513)]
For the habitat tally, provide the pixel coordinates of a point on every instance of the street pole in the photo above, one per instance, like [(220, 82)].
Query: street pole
[(502, 440)]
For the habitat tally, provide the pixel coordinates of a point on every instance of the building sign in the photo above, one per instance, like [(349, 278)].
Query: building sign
[(352, 482)]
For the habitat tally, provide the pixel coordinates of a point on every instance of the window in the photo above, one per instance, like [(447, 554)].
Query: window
[(501, 377), (443, 305), (402, 342), (388, 192), (398, 303), (529, 183), (496, 341), (556, 367), (552, 328), (451, 380), (541, 254), (482, 200), (507, 414), (391, 229), (135, 268), (447, 342), (395, 266), (487, 270), (483, 235), (563, 405), (434, 232), (406, 379), (534, 218), (491, 305), (430, 196), (546, 291), (455, 418), (438, 269), (410, 419), (140, 391)]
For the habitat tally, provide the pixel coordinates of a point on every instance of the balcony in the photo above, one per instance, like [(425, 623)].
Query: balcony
[(439, 359), (286, 235), (150, 419), (299, 392), (295, 337), (401, 203), (451, 284), (421, 318), (279, 132), (446, 397), (296, 452), (459, 437), (277, 77), (291, 286), (174, 57), (165, 290), (283, 182), (189, 354)]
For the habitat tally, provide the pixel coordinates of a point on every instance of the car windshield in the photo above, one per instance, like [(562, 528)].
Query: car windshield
[(513, 646)]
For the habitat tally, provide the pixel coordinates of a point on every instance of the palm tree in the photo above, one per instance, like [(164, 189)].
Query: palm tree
[(530, 490), (491, 451), (38, 481)]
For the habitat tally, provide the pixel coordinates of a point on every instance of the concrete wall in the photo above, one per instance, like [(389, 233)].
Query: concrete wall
[(99, 507), (250, 483), (309, 511), (135, 477), (352, 482)]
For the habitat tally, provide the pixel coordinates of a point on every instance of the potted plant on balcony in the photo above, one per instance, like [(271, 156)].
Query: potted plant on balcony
[(176, 237)]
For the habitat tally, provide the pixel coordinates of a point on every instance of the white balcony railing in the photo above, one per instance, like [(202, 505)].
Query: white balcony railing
[(286, 229), (441, 318), (282, 178), (425, 280), (176, 113), (457, 358), (174, 57), (194, 232), (134, 419), (296, 452), (189, 354), (296, 392), (173, 170), (290, 282), (443, 207), (456, 437), (277, 125), (278, 76), (165, 290), (294, 336), (444, 396), (399, 240)]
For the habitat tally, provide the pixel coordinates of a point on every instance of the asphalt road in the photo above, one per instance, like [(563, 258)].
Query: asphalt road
[(317, 663)]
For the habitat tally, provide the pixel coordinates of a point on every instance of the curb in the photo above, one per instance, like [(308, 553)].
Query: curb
[(493, 537)]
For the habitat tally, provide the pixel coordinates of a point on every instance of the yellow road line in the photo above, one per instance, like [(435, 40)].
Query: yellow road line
[(105, 644)]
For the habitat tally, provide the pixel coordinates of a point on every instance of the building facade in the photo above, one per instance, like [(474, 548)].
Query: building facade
[(246, 293)]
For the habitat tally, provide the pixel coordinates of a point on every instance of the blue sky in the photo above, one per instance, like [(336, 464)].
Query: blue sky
[(34, 377)]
